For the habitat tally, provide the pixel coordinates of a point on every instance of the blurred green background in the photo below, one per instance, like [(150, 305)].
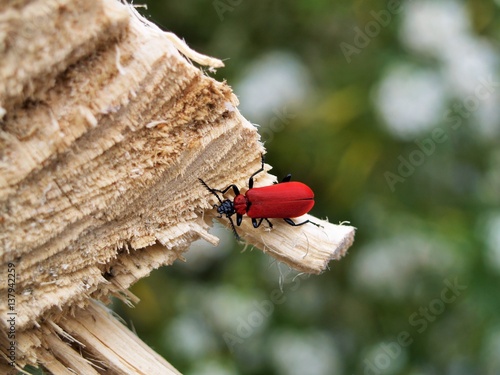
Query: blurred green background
[(390, 112)]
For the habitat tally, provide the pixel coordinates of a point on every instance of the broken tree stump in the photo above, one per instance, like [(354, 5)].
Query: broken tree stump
[(105, 126)]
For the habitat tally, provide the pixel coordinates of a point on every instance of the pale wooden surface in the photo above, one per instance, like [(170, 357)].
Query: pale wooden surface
[(104, 130)]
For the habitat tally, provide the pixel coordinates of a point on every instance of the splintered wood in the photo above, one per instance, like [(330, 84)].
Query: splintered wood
[(105, 128)]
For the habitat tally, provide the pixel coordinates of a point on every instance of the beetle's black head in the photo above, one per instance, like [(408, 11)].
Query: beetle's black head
[(225, 208)]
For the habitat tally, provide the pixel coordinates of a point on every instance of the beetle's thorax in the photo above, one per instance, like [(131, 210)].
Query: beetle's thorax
[(240, 204)]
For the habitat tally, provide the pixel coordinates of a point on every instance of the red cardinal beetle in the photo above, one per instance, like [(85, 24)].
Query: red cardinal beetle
[(284, 200)]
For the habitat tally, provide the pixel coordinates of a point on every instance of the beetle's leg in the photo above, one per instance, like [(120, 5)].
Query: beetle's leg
[(257, 224), (239, 218), (294, 224), (287, 178), (250, 180)]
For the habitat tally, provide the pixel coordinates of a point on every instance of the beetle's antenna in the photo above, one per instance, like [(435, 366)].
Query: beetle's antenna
[(238, 238), (213, 191)]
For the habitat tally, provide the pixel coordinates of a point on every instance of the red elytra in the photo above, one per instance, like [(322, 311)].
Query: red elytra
[(280, 201), (284, 200)]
